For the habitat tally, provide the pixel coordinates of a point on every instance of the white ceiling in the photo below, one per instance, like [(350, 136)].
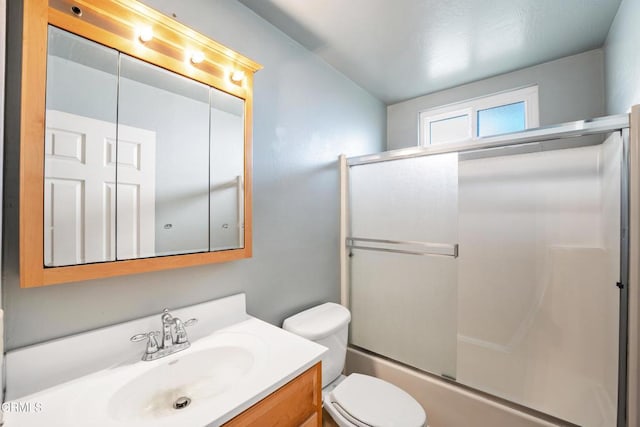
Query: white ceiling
[(400, 49)]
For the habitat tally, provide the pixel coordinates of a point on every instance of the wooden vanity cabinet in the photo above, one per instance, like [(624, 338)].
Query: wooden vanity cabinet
[(296, 404)]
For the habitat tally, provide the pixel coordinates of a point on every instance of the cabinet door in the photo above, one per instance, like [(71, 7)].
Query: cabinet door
[(297, 403)]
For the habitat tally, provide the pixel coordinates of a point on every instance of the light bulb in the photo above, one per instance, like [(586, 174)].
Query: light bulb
[(237, 76), (197, 57), (145, 34)]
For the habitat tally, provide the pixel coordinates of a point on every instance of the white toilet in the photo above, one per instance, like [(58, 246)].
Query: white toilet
[(355, 400)]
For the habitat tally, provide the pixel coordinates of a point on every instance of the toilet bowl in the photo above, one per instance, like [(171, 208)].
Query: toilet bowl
[(353, 400)]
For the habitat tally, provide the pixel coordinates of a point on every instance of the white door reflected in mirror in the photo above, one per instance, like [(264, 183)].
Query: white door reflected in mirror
[(80, 192)]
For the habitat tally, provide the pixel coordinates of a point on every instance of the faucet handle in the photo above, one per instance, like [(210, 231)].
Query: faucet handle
[(190, 322), (139, 337), (181, 334), (152, 344)]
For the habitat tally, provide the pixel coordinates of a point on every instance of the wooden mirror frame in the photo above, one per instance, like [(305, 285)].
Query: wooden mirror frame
[(116, 24)]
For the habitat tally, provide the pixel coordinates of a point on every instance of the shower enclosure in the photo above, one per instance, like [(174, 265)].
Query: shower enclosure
[(498, 264)]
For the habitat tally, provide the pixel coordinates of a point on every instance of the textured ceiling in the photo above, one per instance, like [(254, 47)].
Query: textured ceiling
[(400, 49)]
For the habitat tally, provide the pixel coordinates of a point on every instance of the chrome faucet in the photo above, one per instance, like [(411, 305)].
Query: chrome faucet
[(167, 324), (174, 337)]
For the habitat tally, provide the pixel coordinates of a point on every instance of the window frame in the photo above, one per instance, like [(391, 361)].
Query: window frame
[(528, 95)]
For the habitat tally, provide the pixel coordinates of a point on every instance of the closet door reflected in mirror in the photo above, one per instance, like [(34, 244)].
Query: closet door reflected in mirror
[(139, 161), (80, 163)]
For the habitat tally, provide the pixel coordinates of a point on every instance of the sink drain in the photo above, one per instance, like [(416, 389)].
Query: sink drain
[(181, 402)]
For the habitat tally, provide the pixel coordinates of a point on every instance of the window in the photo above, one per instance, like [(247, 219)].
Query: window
[(481, 117)]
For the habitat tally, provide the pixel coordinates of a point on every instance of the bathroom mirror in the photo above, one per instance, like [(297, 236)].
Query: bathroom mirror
[(143, 161)]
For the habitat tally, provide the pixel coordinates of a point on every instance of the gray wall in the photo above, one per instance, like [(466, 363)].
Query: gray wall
[(622, 62), (305, 113), (570, 88)]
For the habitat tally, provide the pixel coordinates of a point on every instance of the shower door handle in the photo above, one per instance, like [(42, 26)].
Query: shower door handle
[(404, 246)]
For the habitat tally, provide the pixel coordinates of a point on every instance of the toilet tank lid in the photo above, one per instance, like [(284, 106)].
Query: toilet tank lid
[(318, 322)]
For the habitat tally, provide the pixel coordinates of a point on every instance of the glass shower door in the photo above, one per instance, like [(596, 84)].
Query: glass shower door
[(538, 309), (403, 249)]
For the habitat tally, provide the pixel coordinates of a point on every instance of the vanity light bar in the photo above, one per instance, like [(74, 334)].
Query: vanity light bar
[(143, 25)]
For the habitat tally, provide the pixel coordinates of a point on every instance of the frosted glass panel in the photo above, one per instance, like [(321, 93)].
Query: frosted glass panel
[(405, 306), (449, 130), (502, 119), (539, 259), (409, 199)]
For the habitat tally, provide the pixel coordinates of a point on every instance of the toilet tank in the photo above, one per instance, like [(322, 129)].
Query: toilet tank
[(328, 325)]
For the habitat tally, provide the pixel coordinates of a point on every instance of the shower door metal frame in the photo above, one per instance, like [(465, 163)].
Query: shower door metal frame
[(623, 284), (555, 137)]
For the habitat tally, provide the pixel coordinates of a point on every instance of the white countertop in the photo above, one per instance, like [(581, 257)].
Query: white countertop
[(87, 401)]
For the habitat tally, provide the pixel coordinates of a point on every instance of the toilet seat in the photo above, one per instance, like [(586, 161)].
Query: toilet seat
[(366, 401)]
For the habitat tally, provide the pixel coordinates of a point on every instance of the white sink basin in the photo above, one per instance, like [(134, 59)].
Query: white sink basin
[(192, 378)]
